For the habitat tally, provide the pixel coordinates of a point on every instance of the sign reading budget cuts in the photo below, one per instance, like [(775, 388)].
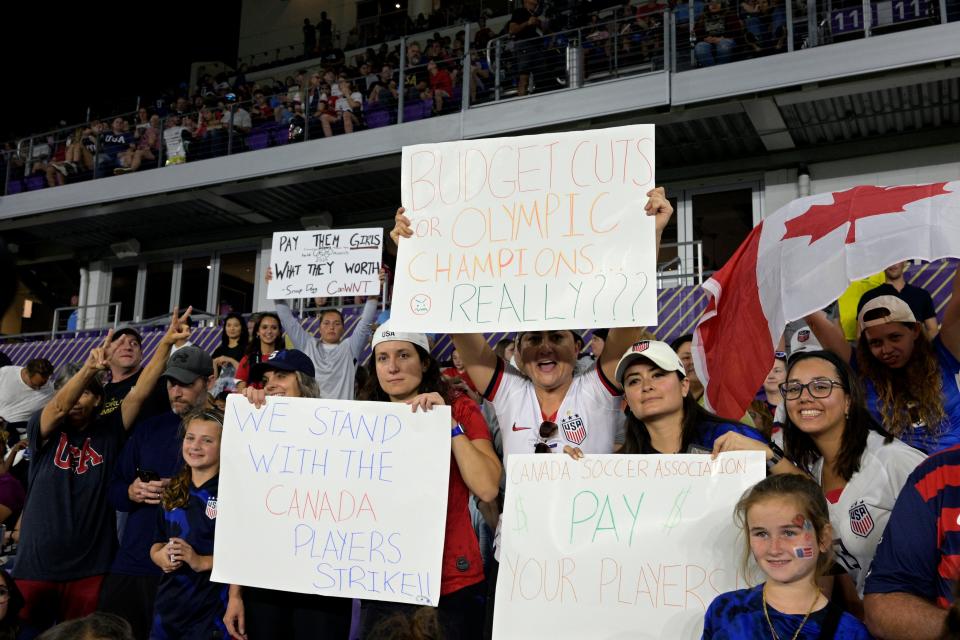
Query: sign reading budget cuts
[(334, 498), (530, 232), (618, 546), (325, 263)]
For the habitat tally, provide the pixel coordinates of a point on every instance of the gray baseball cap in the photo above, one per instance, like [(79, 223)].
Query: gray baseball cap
[(188, 364)]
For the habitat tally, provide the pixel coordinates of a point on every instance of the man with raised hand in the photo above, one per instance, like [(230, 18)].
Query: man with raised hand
[(149, 459), (124, 362), (334, 359), (68, 528)]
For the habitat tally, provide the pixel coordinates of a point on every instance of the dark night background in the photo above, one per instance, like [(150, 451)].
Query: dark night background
[(58, 59)]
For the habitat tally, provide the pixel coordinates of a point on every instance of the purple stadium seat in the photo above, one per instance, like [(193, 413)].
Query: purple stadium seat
[(417, 110), (379, 118), (279, 134), (377, 115), (36, 182), (15, 186), (258, 140)]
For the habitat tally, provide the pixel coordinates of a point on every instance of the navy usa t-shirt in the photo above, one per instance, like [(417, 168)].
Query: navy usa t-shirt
[(69, 529), (188, 605)]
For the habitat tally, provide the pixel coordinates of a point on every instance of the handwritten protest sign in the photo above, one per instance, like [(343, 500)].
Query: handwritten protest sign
[(334, 498), (617, 546), (325, 263), (530, 232)]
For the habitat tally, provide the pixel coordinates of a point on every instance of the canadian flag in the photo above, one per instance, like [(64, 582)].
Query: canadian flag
[(801, 259)]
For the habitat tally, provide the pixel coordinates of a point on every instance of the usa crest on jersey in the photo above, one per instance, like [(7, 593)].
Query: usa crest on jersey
[(574, 430), (861, 522), (211, 511)]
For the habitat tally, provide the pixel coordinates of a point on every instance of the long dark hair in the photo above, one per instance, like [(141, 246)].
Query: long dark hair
[(909, 394), (244, 338), (859, 423), (432, 379), (637, 439), (253, 347), (10, 625)]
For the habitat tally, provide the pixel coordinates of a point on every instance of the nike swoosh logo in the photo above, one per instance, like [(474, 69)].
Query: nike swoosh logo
[(516, 428)]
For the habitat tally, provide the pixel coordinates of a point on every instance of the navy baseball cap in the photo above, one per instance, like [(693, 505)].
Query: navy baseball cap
[(285, 360)]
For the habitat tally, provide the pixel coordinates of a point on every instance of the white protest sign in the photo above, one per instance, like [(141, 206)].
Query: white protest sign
[(618, 546), (334, 498), (530, 232), (325, 263)]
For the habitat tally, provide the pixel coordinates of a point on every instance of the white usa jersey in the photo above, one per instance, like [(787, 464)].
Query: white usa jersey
[(589, 416), (860, 515)]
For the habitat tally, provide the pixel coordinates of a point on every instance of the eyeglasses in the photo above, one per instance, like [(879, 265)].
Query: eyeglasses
[(819, 388), (547, 430)]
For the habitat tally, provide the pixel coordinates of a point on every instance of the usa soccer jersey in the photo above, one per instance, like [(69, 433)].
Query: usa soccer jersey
[(589, 416), (863, 508), (189, 606), (738, 615), (920, 549)]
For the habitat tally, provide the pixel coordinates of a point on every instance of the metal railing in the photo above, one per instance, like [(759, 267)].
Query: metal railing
[(683, 269), (82, 317)]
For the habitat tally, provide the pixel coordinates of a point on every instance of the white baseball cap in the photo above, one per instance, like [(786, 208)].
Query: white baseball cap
[(385, 334), (657, 352), (804, 340), (886, 309)]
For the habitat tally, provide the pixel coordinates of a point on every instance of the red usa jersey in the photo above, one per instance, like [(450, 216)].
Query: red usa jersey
[(589, 416), (860, 515)]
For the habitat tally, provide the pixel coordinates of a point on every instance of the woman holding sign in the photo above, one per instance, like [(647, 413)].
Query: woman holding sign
[(547, 405), (264, 614), (402, 370), (662, 414), (787, 528)]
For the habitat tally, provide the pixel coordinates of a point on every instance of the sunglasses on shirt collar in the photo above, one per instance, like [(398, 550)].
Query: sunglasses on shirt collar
[(548, 430)]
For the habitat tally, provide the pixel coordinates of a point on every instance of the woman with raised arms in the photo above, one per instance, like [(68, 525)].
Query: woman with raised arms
[(911, 381)]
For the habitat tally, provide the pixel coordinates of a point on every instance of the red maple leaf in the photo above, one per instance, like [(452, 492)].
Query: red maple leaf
[(852, 205)]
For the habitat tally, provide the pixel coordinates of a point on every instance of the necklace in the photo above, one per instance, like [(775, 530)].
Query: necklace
[(766, 615)]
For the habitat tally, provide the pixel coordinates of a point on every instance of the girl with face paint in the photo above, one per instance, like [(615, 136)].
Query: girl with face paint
[(787, 528)]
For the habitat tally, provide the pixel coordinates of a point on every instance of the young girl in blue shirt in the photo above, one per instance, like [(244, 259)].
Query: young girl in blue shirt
[(787, 528), (188, 605)]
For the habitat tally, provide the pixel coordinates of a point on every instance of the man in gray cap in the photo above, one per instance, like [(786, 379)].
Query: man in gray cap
[(148, 461)]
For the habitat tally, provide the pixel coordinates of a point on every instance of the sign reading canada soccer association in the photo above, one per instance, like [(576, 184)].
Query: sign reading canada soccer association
[(544, 232), (641, 543)]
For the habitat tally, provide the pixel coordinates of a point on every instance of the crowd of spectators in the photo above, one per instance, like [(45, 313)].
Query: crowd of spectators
[(860, 442), (333, 95)]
